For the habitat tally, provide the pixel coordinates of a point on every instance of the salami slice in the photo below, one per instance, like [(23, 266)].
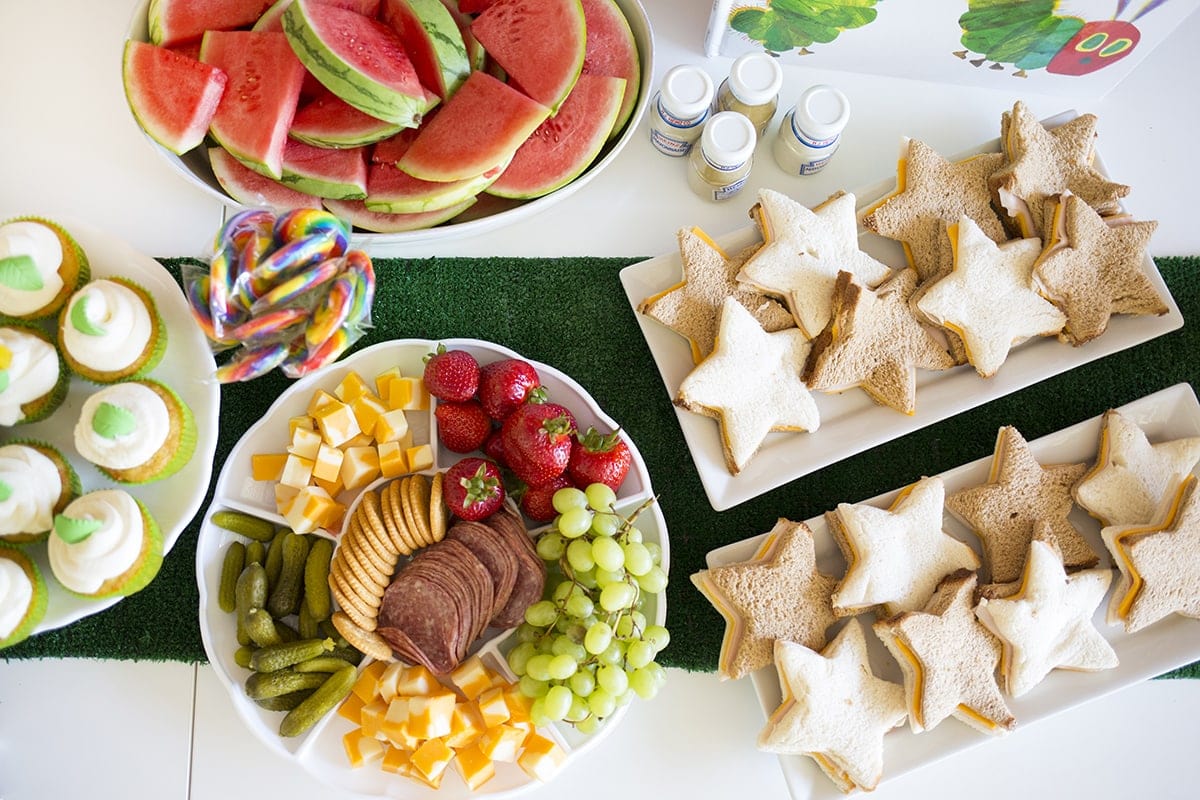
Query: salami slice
[(494, 553), (531, 575)]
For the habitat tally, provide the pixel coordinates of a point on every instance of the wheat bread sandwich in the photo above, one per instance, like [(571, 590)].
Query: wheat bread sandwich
[(895, 557), (834, 709), (692, 307), (988, 299), (873, 341), (1019, 493), (776, 594), (1092, 269), (949, 660), (1158, 562), (751, 383), (1047, 623), (1045, 162), (803, 251)]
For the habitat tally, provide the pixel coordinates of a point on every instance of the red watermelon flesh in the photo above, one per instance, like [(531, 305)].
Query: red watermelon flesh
[(481, 126), (612, 50), (393, 191), (256, 111), (474, 6), (475, 54), (357, 214), (325, 171), (564, 145), (191, 49), (172, 96), (173, 22), (272, 18), (253, 190), (540, 44), (329, 121), (433, 42), (390, 150)]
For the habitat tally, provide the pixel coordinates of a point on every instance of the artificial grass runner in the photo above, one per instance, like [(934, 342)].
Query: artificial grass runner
[(572, 313)]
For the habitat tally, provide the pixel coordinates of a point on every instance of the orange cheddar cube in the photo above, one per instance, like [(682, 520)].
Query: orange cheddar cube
[(301, 421), (297, 471), (336, 423), (386, 688), (351, 387), (362, 440), (416, 680), (373, 714), (360, 466), (432, 758), (392, 463), (493, 707), (361, 749), (367, 408), (368, 680), (328, 464), (471, 677), (518, 704), (502, 742), (541, 758), (466, 725), (390, 426), (429, 715), (332, 487), (382, 379), (396, 760), (419, 457), (351, 708), (305, 443), (407, 393), (283, 496), (319, 400), (312, 508), (474, 767), (267, 466)]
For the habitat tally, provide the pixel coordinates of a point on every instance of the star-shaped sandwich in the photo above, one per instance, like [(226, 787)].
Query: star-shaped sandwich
[(1159, 562), (777, 594), (1047, 623), (988, 299), (873, 341), (692, 307), (1131, 475), (803, 252), (931, 192), (1018, 494), (751, 383), (1043, 163), (1092, 269), (949, 660), (834, 709), (895, 557)]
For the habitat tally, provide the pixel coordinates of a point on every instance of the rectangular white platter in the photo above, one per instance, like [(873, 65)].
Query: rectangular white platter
[(1169, 414), (851, 422)]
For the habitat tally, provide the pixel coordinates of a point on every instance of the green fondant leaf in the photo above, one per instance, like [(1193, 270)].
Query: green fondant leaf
[(72, 530), (3, 379), (80, 320), (5, 491), (111, 421), (19, 272)]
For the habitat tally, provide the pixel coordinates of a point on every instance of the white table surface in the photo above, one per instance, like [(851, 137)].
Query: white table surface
[(70, 149)]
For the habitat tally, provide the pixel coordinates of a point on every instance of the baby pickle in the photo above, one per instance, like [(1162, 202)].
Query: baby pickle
[(329, 663), (332, 691), (284, 702), (256, 551), (231, 568), (260, 625), (279, 656), (274, 558), (244, 524), (262, 685), (316, 578), (285, 591), (251, 593)]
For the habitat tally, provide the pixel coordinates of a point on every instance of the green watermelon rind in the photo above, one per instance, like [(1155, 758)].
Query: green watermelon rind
[(224, 165), (507, 44), (432, 23), (331, 135), (167, 132), (345, 187), (356, 213), (439, 195), (343, 79), (615, 17)]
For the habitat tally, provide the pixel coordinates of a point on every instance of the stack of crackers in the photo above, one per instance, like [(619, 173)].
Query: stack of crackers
[(999, 248)]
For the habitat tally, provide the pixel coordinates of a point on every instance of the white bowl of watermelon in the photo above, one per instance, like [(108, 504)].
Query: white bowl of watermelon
[(414, 120)]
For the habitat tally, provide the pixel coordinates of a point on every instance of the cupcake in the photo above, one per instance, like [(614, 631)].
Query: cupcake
[(105, 544), (22, 596), (136, 431), (40, 265), (36, 482), (33, 380), (110, 330)]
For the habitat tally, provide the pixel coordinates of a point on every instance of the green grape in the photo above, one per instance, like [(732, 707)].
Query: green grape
[(579, 556), (605, 576), (531, 687), (625, 626), (616, 596), (653, 581), (612, 679), (658, 637), (602, 702), (626, 697), (598, 638), (578, 711), (538, 667), (582, 683), (633, 534), (600, 496), (550, 546), (526, 632), (637, 559), (639, 654), (574, 522), (644, 683), (587, 577), (543, 613), (537, 712), (607, 554), (566, 645), (589, 724), (613, 654), (579, 606), (606, 524), (562, 590), (557, 702), (562, 666), (657, 671), (519, 656), (638, 619), (567, 498), (655, 551)]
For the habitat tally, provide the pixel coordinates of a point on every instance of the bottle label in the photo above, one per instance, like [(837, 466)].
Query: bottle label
[(678, 122), (726, 192), (669, 145), (815, 166), (816, 144)]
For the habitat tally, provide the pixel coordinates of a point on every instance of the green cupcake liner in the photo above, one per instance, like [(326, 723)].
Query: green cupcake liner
[(185, 446), (37, 608), (42, 407), (84, 272), (74, 487), (158, 342)]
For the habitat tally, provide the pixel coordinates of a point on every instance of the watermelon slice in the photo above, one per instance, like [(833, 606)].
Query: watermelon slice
[(259, 103), (540, 44), (433, 42), (564, 145), (392, 191), (480, 127), (173, 22), (358, 215), (474, 6), (325, 171), (329, 121), (253, 190), (612, 50), (391, 149), (272, 18), (173, 97), (360, 60), (475, 53)]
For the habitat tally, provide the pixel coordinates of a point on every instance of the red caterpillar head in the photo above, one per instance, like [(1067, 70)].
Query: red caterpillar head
[(1096, 45)]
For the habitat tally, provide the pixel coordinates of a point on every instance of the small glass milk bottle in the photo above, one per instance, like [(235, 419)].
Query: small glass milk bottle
[(682, 104), (810, 133), (752, 89), (719, 166)]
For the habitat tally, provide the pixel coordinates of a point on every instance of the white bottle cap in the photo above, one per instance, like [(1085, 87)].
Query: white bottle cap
[(687, 90), (755, 78), (822, 111), (728, 139)]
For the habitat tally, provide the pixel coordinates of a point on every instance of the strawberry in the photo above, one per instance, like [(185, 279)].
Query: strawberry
[(506, 384), (493, 447), (462, 427), (451, 374), (537, 501), (472, 488), (599, 458), (537, 441)]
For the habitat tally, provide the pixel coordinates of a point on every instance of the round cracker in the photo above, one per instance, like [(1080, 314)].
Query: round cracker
[(437, 508), (366, 595), (350, 604), (418, 506), (383, 561), (375, 535), (395, 492), (362, 567), (363, 640)]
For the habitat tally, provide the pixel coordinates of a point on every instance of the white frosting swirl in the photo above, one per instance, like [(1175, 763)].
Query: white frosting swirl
[(32, 484), (33, 239), (16, 593), (32, 372), (152, 424), (109, 551), (120, 326)]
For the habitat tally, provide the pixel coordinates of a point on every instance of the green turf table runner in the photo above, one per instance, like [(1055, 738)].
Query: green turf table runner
[(572, 313)]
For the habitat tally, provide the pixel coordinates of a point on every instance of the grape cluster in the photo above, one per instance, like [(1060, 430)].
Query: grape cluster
[(587, 648)]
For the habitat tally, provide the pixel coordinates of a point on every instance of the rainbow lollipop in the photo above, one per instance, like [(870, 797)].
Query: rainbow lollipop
[(251, 363), (299, 284)]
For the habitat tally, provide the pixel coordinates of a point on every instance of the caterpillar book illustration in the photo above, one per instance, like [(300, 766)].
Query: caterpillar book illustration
[(785, 25)]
